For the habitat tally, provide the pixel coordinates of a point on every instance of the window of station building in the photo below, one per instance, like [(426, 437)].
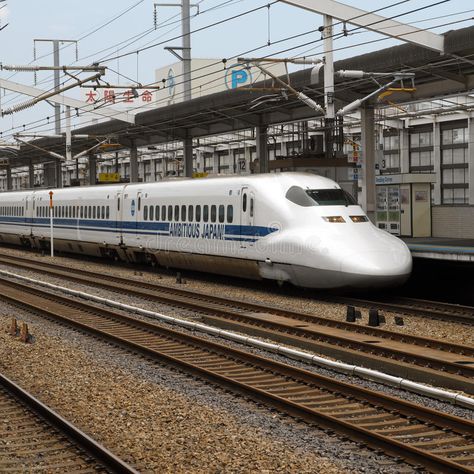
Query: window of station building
[(391, 152), (454, 163), (205, 213), (421, 150), (198, 213), (230, 214), (145, 213), (190, 213), (183, 213), (176, 213), (221, 213)]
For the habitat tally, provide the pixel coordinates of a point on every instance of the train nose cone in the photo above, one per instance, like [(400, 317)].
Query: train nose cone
[(378, 268)]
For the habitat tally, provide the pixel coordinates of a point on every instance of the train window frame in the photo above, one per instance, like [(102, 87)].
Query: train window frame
[(191, 213), (176, 213), (198, 213), (205, 213), (221, 213), (183, 212)]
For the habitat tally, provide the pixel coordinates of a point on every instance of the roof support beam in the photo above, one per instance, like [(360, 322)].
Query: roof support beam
[(373, 22), (108, 112)]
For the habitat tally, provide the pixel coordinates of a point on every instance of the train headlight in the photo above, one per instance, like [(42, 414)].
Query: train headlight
[(334, 219), (359, 219)]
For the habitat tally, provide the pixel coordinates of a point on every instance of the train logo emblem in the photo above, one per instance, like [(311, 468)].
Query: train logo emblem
[(237, 76)]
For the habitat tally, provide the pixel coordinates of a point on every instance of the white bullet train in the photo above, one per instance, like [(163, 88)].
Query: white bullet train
[(290, 227)]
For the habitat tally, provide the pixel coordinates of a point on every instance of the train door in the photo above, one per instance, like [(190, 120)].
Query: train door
[(247, 211), (118, 216), (138, 217)]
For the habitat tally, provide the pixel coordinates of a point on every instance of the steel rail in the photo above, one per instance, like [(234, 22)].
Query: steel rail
[(437, 441), (427, 360), (40, 441)]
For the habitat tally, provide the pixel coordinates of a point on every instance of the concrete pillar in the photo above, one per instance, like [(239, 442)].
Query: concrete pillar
[(437, 162), (9, 178), (31, 175), (470, 149), (248, 158), (404, 151), (367, 174), (58, 166), (215, 162), (49, 175), (188, 157), (262, 148), (134, 163), (92, 169)]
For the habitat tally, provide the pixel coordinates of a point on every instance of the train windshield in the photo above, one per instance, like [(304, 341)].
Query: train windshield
[(331, 197)]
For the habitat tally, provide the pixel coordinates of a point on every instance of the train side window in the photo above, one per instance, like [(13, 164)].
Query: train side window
[(82, 212), (176, 213), (118, 204), (183, 213), (230, 213), (190, 213), (205, 213), (244, 202), (145, 213), (103, 212), (198, 213), (163, 213), (107, 212), (89, 214), (251, 207), (157, 213), (170, 213), (66, 211), (93, 212), (213, 213), (73, 212), (152, 213), (221, 213), (139, 203), (98, 212)]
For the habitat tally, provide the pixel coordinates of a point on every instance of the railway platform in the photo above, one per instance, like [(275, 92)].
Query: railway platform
[(459, 250)]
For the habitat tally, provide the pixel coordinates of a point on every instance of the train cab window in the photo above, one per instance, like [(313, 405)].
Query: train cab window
[(183, 213), (107, 212), (176, 213), (157, 213), (244, 202), (251, 207), (170, 213), (145, 213), (230, 213), (152, 213), (190, 213), (221, 213), (331, 197), (213, 213), (205, 216), (198, 213)]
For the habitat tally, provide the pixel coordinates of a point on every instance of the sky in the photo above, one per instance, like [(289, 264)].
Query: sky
[(102, 37)]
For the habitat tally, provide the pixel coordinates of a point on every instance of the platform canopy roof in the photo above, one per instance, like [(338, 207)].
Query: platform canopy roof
[(224, 112)]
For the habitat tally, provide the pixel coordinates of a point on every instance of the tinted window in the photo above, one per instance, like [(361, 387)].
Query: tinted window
[(190, 213), (157, 213), (163, 213), (205, 213), (176, 213), (213, 213), (170, 213), (230, 213), (198, 213), (103, 212), (152, 213), (93, 212), (183, 213), (107, 212), (251, 207), (221, 213), (331, 197), (244, 203), (145, 213)]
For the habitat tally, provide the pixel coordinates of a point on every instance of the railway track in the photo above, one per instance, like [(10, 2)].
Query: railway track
[(35, 438), (421, 436), (418, 358)]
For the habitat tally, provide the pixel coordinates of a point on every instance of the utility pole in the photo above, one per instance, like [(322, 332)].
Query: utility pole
[(57, 85), (186, 32), (329, 124)]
